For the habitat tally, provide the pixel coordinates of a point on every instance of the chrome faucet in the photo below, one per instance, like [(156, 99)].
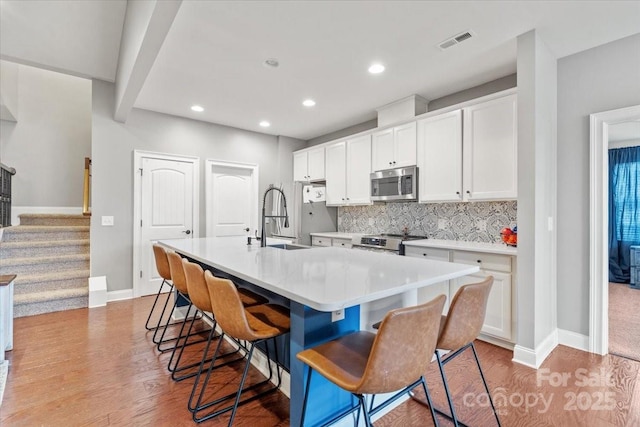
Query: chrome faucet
[(263, 238)]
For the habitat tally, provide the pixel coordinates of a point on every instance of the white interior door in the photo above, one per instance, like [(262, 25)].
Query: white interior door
[(232, 199), (168, 210)]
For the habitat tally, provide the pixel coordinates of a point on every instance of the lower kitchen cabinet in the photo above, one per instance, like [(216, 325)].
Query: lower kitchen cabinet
[(498, 320), (428, 293), (500, 314), (320, 241)]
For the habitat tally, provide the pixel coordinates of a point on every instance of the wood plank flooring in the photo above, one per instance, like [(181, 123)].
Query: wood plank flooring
[(98, 368), (624, 321)]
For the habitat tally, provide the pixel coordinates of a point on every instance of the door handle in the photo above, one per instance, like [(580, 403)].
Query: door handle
[(187, 232)]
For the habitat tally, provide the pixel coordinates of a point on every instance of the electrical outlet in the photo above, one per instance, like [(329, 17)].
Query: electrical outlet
[(337, 315), (107, 221)]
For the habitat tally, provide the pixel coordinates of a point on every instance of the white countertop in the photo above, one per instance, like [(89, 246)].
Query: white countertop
[(324, 278), (493, 248), (460, 245), (335, 235)]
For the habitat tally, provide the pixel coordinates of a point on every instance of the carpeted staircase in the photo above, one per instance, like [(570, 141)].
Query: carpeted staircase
[(50, 255)]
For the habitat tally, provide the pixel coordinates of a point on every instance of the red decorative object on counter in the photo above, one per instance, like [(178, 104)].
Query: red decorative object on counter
[(509, 236)]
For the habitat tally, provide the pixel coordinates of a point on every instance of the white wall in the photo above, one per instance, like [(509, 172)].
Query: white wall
[(48, 144), (599, 79), (112, 155)]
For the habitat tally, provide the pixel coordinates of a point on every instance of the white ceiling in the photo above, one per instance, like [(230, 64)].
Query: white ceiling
[(213, 54)]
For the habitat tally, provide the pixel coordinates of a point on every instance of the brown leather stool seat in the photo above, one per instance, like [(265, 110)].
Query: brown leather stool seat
[(253, 324), (393, 360)]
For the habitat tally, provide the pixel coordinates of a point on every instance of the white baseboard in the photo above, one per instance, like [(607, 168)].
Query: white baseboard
[(573, 339), (534, 358), (67, 210), (119, 295), (97, 291)]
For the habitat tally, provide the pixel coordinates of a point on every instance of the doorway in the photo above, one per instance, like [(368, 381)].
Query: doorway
[(165, 207), (231, 198), (599, 223)]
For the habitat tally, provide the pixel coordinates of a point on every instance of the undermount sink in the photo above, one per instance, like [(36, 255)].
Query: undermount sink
[(288, 246)]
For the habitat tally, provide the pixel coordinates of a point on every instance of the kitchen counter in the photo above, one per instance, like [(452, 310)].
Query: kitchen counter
[(317, 281), (492, 248), (335, 235), (460, 245), (325, 279)]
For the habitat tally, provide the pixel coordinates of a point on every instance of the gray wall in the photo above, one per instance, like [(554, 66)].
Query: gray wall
[(351, 130), (112, 155), (48, 144), (600, 79)]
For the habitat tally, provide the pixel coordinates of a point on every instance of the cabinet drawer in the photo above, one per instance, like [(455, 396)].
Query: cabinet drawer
[(341, 243), (428, 253), (483, 260), (320, 241)]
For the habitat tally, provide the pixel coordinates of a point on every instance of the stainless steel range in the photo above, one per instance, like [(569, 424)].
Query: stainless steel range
[(388, 243)]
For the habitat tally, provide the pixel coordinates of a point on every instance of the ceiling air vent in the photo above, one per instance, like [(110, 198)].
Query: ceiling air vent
[(455, 40)]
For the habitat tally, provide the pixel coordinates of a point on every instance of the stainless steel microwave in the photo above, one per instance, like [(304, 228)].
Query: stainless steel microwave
[(395, 184)]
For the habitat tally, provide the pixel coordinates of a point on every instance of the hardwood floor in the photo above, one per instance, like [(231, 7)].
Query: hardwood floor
[(98, 368), (624, 321)]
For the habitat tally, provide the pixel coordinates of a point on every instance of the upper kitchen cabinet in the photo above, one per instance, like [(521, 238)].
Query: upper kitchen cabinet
[(348, 169), (469, 154), (394, 147), (440, 158), (308, 165), (490, 159)]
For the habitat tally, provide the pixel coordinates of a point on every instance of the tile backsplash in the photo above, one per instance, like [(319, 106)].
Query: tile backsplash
[(472, 221)]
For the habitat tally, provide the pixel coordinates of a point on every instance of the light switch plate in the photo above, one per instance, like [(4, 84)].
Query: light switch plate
[(107, 221)]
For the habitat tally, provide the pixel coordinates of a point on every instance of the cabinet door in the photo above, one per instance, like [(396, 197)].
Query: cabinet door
[(336, 168), (382, 150), (315, 164), (497, 321), (358, 170), (490, 150), (440, 158), (300, 166), (405, 145)]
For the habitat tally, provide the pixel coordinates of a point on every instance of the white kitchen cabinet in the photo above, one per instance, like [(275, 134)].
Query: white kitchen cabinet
[(499, 317), (427, 293), (394, 147), (341, 243), (308, 165), (439, 154), (320, 241), (348, 168), (469, 154), (490, 140)]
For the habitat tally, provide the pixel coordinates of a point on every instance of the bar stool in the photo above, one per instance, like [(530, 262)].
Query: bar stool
[(255, 325), (393, 360), (162, 265), (180, 284), (458, 329), (199, 295)]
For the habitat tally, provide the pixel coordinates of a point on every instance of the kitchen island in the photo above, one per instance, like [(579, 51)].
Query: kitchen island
[(319, 283)]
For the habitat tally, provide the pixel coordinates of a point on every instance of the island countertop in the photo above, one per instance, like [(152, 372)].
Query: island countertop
[(323, 278)]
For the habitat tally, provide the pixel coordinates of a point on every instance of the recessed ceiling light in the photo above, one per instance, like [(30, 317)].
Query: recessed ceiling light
[(271, 63), (265, 124), (197, 108), (376, 68), (308, 102)]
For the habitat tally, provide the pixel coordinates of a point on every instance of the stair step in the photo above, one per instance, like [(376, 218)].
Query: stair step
[(19, 249), (54, 219), (34, 265), (28, 283), (42, 232), (34, 304)]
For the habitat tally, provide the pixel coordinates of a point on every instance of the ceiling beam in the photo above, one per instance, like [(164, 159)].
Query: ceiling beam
[(146, 25)]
